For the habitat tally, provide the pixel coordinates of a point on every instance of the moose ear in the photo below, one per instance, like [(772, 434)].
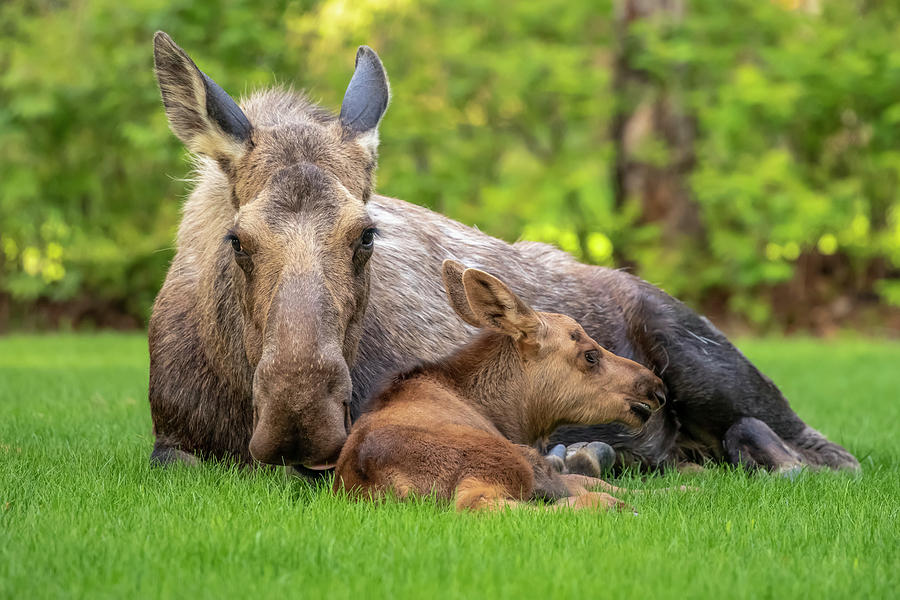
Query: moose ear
[(366, 98), (452, 273), (200, 113), (498, 308)]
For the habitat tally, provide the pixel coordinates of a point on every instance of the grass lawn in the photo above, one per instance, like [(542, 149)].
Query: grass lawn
[(82, 513)]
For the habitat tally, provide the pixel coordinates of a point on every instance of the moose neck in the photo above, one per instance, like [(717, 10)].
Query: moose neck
[(488, 373)]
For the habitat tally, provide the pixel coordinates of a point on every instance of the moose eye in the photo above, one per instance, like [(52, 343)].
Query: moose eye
[(241, 256), (592, 357), (367, 241)]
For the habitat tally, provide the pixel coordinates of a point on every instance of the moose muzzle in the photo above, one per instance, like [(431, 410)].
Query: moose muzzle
[(300, 422), (301, 386)]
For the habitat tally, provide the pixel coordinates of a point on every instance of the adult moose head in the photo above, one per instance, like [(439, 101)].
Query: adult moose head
[(281, 311), (291, 246)]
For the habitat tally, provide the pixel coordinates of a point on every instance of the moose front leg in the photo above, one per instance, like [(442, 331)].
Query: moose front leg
[(165, 455)]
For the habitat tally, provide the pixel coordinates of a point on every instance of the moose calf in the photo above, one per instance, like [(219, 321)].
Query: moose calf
[(462, 427)]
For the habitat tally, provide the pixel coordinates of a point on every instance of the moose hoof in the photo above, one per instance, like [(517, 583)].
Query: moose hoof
[(690, 468), (591, 459), (790, 472)]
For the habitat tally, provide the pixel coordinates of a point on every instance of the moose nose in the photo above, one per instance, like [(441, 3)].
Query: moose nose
[(274, 451)]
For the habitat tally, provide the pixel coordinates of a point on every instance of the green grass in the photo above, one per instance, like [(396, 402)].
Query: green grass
[(82, 513)]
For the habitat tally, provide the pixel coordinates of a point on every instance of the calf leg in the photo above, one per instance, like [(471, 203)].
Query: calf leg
[(548, 485), (579, 484), (568, 489), (593, 500), (477, 494)]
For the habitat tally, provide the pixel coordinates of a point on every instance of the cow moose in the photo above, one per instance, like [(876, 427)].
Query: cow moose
[(295, 290), (462, 427)]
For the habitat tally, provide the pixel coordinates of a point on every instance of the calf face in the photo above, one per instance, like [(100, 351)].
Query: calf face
[(567, 376)]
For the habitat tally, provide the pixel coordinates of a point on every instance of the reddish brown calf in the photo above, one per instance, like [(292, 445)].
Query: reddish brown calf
[(462, 427)]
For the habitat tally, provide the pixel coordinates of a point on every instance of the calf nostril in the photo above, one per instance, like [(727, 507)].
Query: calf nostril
[(660, 397)]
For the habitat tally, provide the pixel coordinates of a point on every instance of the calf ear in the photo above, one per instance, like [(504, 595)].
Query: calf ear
[(498, 308), (366, 99), (452, 273), (200, 113)]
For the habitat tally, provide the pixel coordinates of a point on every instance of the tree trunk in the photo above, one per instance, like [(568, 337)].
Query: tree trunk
[(652, 133)]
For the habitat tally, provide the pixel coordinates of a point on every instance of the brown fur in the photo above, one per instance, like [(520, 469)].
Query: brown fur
[(290, 300), (262, 351), (451, 428)]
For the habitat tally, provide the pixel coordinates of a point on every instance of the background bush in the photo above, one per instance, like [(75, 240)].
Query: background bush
[(504, 115)]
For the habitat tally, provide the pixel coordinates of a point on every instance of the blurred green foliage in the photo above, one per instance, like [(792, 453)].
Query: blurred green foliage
[(500, 117)]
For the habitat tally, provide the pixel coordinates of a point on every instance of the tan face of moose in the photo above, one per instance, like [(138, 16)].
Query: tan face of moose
[(569, 378), (296, 256), (301, 251)]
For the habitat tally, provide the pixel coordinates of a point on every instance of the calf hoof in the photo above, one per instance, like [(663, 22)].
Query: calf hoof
[(558, 450), (556, 463), (591, 459), (556, 458), (573, 448)]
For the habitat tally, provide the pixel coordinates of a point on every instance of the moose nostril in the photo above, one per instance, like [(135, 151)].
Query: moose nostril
[(348, 419)]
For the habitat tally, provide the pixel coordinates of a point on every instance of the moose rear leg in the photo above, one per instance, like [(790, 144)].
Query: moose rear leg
[(714, 387), (753, 444)]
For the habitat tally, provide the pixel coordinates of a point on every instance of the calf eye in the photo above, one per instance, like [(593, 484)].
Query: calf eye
[(367, 241), (236, 244), (592, 357)]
